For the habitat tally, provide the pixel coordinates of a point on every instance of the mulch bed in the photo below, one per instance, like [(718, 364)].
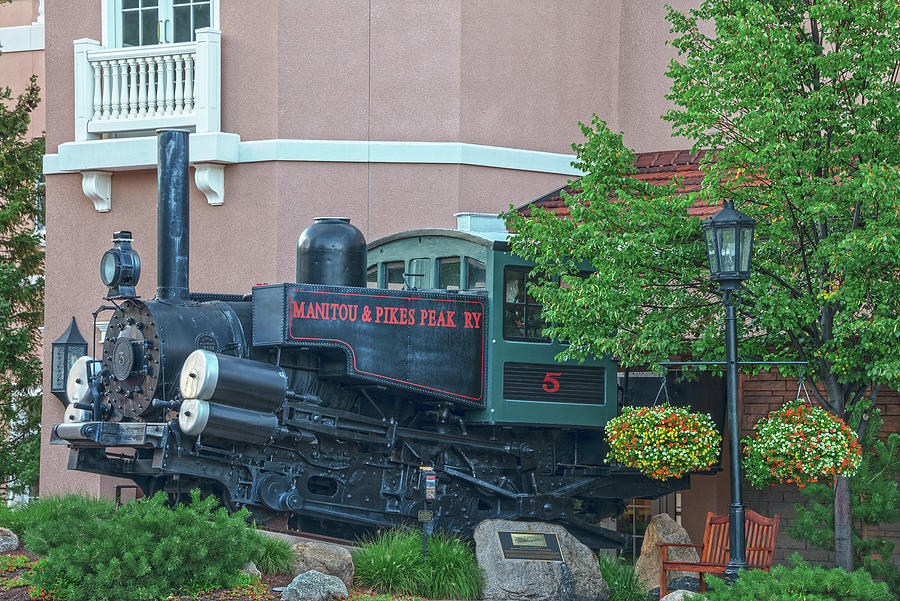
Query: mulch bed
[(262, 593)]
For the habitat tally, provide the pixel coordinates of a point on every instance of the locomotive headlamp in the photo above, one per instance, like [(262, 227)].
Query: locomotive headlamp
[(729, 241), (65, 352), (120, 267)]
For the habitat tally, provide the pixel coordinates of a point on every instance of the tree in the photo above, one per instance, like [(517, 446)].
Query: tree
[(876, 500), (796, 103), (21, 290)]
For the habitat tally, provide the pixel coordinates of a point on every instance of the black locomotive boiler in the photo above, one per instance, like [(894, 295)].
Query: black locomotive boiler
[(327, 402)]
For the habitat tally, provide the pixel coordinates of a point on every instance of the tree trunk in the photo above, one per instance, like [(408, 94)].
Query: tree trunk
[(843, 532)]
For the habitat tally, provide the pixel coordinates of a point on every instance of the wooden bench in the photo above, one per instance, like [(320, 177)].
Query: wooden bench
[(760, 533)]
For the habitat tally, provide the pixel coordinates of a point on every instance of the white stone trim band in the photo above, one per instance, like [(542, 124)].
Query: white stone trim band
[(140, 153)]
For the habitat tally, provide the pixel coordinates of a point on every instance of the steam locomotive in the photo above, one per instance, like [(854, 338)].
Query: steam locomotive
[(329, 403)]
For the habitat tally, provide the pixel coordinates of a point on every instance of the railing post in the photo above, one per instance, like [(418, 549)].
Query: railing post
[(84, 87), (208, 88)]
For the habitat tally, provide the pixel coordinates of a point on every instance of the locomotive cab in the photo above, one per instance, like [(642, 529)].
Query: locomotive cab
[(525, 384)]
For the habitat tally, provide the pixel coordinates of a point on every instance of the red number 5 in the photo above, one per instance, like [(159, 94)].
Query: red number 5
[(551, 384)]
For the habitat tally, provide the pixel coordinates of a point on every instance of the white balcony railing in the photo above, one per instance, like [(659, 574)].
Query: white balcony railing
[(147, 87)]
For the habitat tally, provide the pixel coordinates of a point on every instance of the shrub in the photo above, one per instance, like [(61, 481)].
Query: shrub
[(392, 562), (46, 522), (145, 550), (619, 574), (271, 555), (799, 583), (452, 571)]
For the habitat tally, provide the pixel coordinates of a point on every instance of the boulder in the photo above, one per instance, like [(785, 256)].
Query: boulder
[(684, 583), (324, 558), (8, 540), (315, 586), (663, 529), (576, 578), (251, 569), (679, 595)]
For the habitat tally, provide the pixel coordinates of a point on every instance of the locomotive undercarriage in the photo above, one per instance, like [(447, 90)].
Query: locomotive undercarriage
[(354, 458)]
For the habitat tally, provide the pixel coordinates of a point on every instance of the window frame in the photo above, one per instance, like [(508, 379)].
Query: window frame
[(525, 304), (111, 20)]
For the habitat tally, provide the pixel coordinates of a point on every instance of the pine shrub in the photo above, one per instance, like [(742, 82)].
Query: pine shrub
[(144, 550), (46, 522), (799, 583)]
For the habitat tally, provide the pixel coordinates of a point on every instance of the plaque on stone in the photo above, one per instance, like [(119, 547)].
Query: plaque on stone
[(529, 546)]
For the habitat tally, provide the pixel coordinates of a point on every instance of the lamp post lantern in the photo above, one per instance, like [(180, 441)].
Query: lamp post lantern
[(729, 245), (65, 350)]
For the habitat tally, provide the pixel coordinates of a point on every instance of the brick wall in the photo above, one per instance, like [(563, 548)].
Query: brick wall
[(759, 395)]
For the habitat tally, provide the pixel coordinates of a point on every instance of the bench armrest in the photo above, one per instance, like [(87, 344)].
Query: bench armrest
[(678, 545)]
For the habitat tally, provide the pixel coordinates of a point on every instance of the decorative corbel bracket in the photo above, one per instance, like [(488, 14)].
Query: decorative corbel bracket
[(97, 185), (210, 179)]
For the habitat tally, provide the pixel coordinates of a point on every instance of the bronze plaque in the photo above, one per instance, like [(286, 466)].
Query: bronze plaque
[(529, 546)]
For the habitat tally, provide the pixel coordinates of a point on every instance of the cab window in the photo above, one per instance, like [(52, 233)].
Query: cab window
[(448, 273), (393, 275), (521, 312), (419, 273), (476, 274), (372, 276)]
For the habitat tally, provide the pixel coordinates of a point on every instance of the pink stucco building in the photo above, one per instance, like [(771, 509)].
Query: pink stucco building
[(395, 114)]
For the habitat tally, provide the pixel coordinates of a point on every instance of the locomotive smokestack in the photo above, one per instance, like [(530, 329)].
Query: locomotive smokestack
[(173, 222)]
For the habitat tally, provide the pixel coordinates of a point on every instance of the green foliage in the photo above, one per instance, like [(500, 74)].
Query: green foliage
[(143, 550), (392, 562), (800, 103), (46, 522), (452, 571), (619, 574), (799, 583), (797, 105), (21, 290), (875, 499), (272, 555)]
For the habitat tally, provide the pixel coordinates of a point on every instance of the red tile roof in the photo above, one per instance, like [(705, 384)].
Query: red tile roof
[(655, 167)]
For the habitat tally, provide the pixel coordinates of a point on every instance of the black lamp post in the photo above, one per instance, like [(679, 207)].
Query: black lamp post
[(64, 351), (729, 244)]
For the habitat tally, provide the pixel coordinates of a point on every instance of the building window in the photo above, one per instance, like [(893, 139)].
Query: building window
[(521, 312), (129, 23)]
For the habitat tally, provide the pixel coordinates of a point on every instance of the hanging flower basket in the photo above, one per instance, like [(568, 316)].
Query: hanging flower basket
[(663, 442), (800, 444)]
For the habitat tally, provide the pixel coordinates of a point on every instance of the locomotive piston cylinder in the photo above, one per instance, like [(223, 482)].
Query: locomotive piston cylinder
[(232, 423), (233, 381)]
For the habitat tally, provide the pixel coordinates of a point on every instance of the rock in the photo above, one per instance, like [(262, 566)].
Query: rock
[(314, 586), (684, 583), (662, 529), (325, 558), (679, 595), (251, 569), (8, 540), (577, 578)]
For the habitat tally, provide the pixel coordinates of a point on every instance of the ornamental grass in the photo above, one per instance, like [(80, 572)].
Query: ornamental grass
[(800, 444), (663, 442)]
